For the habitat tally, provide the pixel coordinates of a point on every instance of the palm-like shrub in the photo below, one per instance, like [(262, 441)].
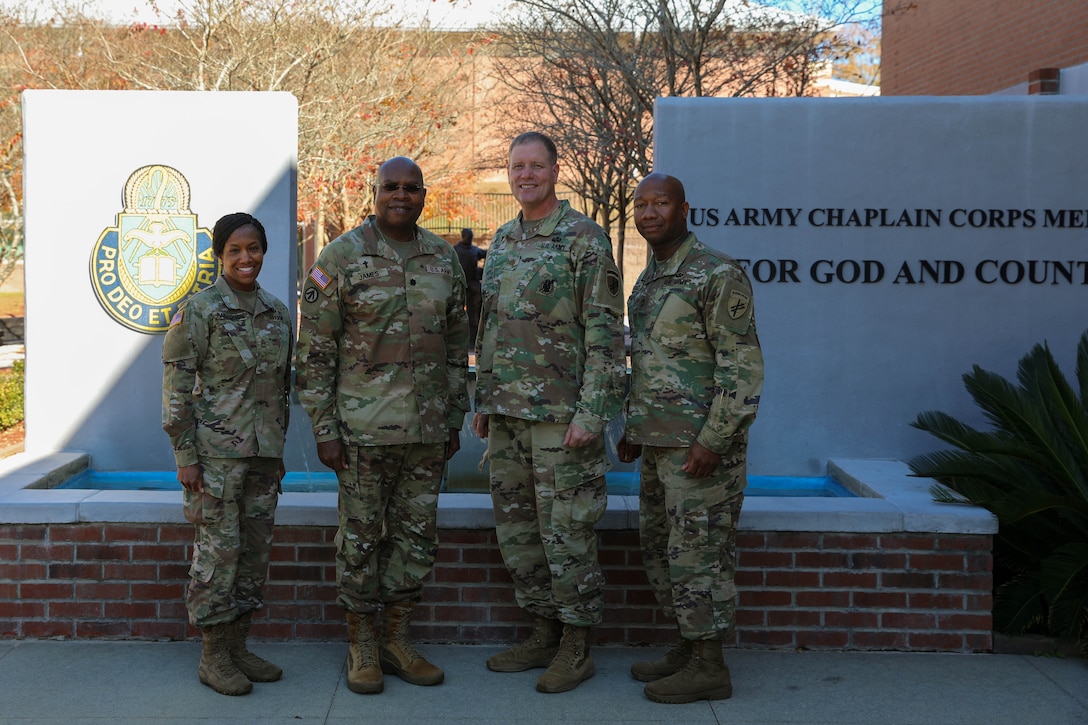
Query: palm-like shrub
[(1031, 471)]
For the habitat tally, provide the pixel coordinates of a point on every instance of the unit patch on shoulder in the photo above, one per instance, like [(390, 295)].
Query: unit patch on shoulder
[(737, 305), (733, 310), (612, 279)]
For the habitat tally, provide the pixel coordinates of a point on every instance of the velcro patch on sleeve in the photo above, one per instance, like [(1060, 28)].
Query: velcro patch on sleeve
[(735, 313), (319, 277), (609, 291), (612, 281)]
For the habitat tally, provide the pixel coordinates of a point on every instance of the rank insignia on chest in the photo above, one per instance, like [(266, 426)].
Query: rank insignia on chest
[(547, 287)]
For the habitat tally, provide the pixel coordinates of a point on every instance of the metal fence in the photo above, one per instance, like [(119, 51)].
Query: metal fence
[(484, 213), (487, 212)]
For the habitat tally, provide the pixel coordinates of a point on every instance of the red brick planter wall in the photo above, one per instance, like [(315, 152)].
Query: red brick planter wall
[(797, 589)]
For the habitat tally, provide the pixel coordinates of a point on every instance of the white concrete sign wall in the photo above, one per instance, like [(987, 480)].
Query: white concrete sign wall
[(893, 243), (122, 189)]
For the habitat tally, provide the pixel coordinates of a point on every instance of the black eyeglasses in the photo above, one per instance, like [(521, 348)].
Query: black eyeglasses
[(391, 188)]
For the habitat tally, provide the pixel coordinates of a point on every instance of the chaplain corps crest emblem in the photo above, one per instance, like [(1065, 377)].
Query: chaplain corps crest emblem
[(156, 257)]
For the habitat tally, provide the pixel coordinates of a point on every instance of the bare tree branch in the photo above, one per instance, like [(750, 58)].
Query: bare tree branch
[(587, 72)]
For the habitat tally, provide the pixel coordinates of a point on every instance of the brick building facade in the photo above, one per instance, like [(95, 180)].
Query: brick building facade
[(981, 47)]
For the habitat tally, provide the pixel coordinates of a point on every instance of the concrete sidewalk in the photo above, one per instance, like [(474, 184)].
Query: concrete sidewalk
[(46, 681)]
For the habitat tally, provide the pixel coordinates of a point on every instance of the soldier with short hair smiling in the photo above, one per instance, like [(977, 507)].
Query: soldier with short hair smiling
[(696, 378), (550, 376), (382, 366), (225, 405)]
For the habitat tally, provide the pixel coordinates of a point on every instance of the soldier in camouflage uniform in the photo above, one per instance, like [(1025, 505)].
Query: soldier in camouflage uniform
[(382, 369), (697, 373), (226, 386), (550, 376)]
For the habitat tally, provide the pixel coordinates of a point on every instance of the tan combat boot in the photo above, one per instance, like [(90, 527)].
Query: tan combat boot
[(253, 667), (364, 673), (573, 664), (704, 677), (216, 669), (398, 656), (672, 662), (537, 651)]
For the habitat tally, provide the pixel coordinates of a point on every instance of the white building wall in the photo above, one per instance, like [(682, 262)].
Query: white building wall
[(955, 197), (93, 384)]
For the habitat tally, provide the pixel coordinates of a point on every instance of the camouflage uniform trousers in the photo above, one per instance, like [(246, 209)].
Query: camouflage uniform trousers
[(547, 499), (234, 517), (388, 535), (688, 532)]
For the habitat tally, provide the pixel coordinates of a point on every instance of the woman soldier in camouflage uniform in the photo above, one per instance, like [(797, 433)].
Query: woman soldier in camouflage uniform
[(226, 384)]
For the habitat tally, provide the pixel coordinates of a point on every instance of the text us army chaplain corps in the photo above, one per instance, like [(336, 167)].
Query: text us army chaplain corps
[(887, 217)]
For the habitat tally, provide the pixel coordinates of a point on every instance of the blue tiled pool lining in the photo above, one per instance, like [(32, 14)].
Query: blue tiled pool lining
[(620, 483), (887, 498)]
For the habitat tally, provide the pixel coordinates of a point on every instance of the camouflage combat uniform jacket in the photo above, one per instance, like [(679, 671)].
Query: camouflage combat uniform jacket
[(227, 377), (383, 345), (551, 333), (696, 366)]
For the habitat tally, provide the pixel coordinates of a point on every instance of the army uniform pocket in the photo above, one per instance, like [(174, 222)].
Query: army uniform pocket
[(579, 491), (203, 566), (676, 324)]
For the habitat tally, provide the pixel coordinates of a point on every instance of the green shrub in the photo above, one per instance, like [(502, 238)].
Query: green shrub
[(11, 396), (1031, 471)]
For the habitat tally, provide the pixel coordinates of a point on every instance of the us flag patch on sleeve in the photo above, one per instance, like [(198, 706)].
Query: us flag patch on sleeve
[(177, 318), (319, 277)]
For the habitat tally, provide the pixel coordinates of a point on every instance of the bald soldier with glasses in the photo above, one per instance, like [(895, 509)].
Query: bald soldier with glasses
[(382, 366)]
